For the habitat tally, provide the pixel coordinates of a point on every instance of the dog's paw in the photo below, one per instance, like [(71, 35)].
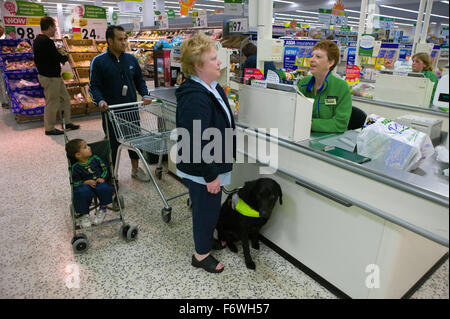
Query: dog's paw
[(250, 265), (232, 247), (255, 245)]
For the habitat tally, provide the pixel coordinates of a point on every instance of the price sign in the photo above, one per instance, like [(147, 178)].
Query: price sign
[(164, 21), (91, 20), (22, 19), (200, 20), (238, 25)]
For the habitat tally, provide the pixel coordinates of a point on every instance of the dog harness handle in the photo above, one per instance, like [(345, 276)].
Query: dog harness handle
[(240, 206)]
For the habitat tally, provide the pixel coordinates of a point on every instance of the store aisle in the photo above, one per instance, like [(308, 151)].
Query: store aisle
[(37, 259)]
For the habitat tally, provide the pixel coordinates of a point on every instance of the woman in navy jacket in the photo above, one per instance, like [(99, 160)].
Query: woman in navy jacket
[(207, 149)]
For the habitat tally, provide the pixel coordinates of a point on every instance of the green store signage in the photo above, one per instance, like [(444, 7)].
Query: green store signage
[(94, 12), (366, 45), (28, 9)]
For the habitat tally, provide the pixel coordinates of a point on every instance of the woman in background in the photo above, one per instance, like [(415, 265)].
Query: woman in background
[(422, 64)]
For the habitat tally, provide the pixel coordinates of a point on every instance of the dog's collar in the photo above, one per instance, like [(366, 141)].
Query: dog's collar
[(240, 206)]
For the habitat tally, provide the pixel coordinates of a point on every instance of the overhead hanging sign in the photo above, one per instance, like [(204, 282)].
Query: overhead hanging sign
[(384, 27), (22, 19), (199, 19), (366, 45), (233, 7), (163, 20), (171, 14), (89, 22), (131, 6), (335, 16), (238, 25), (185, 6)]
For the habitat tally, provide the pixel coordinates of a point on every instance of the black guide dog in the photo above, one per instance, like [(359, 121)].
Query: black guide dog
[(261, 195)]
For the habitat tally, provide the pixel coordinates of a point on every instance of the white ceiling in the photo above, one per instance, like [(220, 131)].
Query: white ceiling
[(287, 10)]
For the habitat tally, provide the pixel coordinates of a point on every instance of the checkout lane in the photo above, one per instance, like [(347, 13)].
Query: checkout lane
[(424, 182), (398, 94)]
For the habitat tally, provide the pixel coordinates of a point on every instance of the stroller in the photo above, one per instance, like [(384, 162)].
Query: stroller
[(80, 242)]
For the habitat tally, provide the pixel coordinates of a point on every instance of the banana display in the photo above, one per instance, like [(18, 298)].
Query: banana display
[(79, 22)]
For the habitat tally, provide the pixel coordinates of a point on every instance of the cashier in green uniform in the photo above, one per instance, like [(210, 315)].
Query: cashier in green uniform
[(422, 63), (332, 99)]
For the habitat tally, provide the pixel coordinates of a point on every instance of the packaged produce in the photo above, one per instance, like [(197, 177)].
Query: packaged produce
[(102, 47), (6, 49), (24, 46), (28, 102), (78, 98), (363, 90), (19, 65), (82, 64), (398, 146), (21, 84), (81, 48)]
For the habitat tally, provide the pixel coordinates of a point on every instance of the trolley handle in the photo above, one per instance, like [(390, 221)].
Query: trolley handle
[(124, 105)]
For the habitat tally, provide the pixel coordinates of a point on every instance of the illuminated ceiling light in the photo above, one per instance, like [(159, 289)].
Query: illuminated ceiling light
[(413, 11), (312, 12)]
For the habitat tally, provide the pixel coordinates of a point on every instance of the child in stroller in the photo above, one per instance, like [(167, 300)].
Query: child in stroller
[(90, 168), (89, 175)]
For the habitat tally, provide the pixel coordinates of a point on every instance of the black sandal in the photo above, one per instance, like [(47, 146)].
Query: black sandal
[(217, 245), (209, 264)]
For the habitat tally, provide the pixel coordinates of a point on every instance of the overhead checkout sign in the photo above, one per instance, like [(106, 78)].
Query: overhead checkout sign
[(89, 22), (131, 6), (22, 19)]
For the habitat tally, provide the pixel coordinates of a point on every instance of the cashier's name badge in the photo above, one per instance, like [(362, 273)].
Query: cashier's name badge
[(331, 100)]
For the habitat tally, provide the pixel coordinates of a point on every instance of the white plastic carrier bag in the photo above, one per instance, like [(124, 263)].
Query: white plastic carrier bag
[(395, 144)]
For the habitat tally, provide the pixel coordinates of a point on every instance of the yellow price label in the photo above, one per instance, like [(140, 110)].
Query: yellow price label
[(33, 21)]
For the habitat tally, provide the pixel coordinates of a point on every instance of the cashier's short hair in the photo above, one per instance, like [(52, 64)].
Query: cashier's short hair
[(192, 52), (73, 147), (332, 51), (47, 22), (426, 60)]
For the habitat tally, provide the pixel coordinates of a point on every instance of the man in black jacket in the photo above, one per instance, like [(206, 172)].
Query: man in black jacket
[(115, 76), (48, 63)]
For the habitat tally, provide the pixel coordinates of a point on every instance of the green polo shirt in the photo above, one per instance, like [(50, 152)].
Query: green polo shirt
[(332, 103), (433, 78)]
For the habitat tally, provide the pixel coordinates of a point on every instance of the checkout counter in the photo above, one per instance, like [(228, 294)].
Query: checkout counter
[(398, 95), (370, 231)]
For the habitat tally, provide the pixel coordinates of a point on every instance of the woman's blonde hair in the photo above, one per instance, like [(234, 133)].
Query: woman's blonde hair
[(192, 52), (426, 59)]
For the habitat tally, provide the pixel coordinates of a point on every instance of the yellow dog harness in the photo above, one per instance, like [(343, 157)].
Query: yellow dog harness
[(240, 206)]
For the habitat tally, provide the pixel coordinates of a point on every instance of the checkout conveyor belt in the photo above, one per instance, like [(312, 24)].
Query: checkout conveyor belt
[(165, 94)]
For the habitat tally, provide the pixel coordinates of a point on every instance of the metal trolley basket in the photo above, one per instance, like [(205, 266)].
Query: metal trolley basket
[(145, 128)]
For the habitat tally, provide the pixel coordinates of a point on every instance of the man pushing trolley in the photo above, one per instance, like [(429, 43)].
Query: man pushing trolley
[(115, 76)]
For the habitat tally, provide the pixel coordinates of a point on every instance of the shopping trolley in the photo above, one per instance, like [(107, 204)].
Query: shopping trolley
[(140, 128)]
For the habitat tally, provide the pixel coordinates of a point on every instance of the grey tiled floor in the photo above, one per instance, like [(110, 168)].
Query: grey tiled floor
[(37, 260)]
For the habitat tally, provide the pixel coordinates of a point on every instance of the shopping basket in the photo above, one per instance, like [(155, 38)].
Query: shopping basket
[(140, 128)]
